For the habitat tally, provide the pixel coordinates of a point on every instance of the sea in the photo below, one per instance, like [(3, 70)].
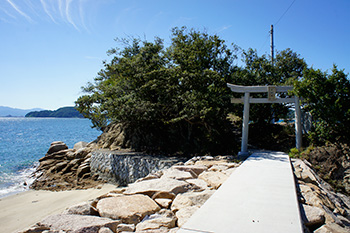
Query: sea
[(23, 141)]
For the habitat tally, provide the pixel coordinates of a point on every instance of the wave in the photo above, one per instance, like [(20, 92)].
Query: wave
[(12, 183)]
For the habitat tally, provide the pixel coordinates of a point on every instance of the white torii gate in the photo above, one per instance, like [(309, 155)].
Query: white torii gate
[(271, 91)]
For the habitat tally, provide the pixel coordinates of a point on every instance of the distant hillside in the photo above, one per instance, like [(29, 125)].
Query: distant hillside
[(65, 112), (16, 112)]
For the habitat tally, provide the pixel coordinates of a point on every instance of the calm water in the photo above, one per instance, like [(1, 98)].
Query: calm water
[(24, 140)]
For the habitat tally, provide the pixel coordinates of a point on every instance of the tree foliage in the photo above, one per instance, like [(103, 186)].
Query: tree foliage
[(175, 96), (327, 98), (259, 70)]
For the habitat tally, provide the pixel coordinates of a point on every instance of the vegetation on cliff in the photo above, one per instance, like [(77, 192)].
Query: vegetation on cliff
[(175, 99), (65, 112)]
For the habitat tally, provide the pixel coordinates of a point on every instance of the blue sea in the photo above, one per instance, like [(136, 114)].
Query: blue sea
[(24, 140)]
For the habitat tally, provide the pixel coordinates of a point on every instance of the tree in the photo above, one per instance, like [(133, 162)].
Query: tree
[(288, 66), (327, 98), (171, 99)]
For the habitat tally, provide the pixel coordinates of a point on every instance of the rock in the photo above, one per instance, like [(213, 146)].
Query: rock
[(213, 179), (81, 153), (191, 199), (198, 184), (105, 230), (57, 146), (314, 216), (36, 229), (149, 177), (160, 230), (184, 214), (303, 172), (177, 174), (80, 145), (163, 202), (218, 168), (81, 209), (59, 166), (156, 221), (314, 196), (332, 228), (78, 223), (210, 163), (173, 230), (149, 187), (229, 171), (130, 209), (126, 227), (163, 194), (83, 169), (196, 169)]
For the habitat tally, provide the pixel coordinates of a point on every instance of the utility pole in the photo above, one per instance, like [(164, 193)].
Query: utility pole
[(272, 47)]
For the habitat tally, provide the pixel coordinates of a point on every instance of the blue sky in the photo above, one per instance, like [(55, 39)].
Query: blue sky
[(50, 48)]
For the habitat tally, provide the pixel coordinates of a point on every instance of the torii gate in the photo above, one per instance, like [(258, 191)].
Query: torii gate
[(271, 91)]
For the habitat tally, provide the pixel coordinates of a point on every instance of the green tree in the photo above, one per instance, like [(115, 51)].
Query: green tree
[(327, 98), (173, 99), (258, 70)]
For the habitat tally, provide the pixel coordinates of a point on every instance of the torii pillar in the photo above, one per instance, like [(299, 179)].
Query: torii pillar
[(271, 91)]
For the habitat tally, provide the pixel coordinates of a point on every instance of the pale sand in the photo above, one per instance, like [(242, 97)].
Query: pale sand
[(20, 211)]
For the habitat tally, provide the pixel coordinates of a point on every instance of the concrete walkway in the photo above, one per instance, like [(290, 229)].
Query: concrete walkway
[(260, 196)]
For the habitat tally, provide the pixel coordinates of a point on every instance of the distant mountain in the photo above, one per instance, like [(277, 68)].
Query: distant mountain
[(15, 112), (65, 112)]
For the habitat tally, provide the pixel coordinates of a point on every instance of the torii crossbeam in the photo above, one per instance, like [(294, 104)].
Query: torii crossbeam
[(271, 93)]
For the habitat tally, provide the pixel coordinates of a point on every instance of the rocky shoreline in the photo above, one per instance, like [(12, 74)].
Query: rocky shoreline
[(159, 202), (163, 200)]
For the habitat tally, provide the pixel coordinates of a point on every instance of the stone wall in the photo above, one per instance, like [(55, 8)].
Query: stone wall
[(126, 167)]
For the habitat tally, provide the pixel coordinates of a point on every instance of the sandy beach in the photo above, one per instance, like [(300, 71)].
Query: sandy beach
[(20, 211)]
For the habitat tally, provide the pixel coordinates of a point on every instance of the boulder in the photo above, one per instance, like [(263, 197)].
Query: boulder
[(156, 221), (210, 163), (184, 214), (196, 169), (77, 223), (150, 187), (80, 145), (331, 228), (314, 216), (198, 184), (191, 199), (178, 174), (105, 230), (163, 202), (303, 172), (213, 179), (163, 194), (126, 227), (57, 146), (315, 196), (81, 209), (130, 209)]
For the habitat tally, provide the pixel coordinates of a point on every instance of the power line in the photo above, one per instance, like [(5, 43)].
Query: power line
[(284, 13), (269, 33)]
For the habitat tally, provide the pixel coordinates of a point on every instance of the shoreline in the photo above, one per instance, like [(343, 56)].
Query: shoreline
[(24, 209)]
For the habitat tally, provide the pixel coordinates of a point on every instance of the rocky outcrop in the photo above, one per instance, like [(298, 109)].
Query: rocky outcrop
[(159, 202), (62, 168), (332, 164), (322, 209), (86, 166)]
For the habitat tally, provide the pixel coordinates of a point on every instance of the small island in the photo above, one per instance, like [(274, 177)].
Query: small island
[(65, 112)]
